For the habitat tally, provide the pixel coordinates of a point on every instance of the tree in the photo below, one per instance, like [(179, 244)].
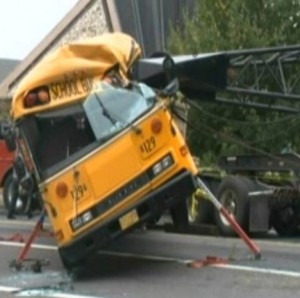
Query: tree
[(237, 24)]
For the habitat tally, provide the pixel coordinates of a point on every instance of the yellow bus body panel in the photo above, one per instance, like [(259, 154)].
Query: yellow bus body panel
[(107, 169)]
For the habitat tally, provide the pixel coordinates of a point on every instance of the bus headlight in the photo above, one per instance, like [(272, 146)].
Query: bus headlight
[(167, 161), (157, 168), (76, 223), (82, 219), (162, 165), (87, 216)]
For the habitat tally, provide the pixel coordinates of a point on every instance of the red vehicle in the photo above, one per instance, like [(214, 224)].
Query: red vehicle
[(6, 160), (6, 165)]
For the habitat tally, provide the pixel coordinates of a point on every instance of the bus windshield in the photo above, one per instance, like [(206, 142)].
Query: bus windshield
[(58, 138), (112, 109)]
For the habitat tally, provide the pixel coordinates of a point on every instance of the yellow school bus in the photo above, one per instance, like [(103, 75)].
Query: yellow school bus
[(103, 151)]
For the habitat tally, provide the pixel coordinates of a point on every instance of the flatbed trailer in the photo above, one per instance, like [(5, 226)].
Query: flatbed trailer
[(262, 191)]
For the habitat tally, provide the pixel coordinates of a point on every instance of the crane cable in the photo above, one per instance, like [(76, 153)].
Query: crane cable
[(217, 117), (226, 136), (271, 137)]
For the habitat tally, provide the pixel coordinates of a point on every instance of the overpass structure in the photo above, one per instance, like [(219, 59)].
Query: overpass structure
[(149, 23)]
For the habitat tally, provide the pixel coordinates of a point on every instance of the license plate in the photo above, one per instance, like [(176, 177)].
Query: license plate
[(128, 219)]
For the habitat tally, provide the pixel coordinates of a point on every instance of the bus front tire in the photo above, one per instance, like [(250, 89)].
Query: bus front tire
[(179, 215)]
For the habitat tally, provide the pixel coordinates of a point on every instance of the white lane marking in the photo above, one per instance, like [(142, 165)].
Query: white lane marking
[(49, 294), (41, 293), (170, 259), (19, 244), (223, 266), (272, 242), (16, 223), (259, 270), (21, 223), (8, 289)]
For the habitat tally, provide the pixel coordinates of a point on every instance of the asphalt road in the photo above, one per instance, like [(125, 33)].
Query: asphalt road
[(154, 264)]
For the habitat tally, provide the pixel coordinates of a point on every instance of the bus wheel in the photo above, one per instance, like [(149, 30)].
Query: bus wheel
[(71, 265), (285, 221), (179, 215), (233, 195), (8, 193)]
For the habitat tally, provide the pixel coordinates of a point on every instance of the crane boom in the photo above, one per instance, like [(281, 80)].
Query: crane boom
[(261, 78)]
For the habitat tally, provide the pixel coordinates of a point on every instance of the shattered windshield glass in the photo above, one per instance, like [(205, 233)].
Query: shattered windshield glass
[(112, 109)]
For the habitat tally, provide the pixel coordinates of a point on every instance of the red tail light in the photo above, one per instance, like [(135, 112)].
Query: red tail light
[(43, 96), (37, 97), (30, 99)]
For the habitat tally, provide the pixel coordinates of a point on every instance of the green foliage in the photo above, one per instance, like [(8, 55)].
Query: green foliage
[(4, 110), (231, 25)]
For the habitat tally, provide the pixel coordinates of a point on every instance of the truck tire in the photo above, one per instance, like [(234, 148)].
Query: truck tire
[(285, 221), (7, 196), (285, 218), (233, 195)]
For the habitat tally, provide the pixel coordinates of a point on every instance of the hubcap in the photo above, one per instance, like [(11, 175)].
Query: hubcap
[(228, 200), (19, 203)]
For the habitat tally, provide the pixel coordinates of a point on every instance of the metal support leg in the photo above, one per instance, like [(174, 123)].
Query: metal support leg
[(18, 263), (230, 218)]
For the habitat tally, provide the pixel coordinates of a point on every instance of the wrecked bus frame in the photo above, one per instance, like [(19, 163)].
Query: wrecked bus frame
[(102, 152)]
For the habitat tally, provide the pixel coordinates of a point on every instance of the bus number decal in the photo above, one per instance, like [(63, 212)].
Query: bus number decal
[(148, 146), (78, 191)]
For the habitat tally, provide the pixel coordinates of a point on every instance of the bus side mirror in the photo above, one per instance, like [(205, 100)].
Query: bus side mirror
[(169, 67), (9, 136), (171, 89)]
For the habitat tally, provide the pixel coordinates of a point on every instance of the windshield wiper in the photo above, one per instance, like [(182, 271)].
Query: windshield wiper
[(105, 111)]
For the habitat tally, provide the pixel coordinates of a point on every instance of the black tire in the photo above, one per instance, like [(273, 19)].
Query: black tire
[(8, 192), (233, 195), (179, 215), (285, 221), (72, 266)]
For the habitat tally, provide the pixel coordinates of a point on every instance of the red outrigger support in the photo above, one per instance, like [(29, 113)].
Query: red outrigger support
[(36, 266), (230, 218)]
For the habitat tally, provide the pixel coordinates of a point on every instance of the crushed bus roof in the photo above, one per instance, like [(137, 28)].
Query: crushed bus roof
[(92, 57)]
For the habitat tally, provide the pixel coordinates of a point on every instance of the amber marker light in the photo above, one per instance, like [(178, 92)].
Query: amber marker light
[(156, 125), (184, 150), (59, 235), (62, 189)]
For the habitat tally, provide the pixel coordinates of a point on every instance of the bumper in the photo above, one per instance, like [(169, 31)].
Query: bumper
[(154, 204)]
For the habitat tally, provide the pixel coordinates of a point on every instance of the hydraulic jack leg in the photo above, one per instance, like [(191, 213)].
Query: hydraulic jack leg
[(36, 265)]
